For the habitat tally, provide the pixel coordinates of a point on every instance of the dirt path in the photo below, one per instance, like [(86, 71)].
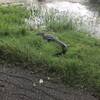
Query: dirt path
[(21, 84)]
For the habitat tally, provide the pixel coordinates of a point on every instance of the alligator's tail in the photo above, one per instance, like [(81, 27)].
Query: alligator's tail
[(63, 46)]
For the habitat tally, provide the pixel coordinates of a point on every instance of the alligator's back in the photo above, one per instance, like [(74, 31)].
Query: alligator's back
[(50, 37)]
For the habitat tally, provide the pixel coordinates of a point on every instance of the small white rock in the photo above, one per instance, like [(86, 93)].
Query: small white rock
[(41, 81)]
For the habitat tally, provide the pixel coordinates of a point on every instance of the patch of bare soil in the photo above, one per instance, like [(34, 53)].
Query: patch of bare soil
[(21, 84)]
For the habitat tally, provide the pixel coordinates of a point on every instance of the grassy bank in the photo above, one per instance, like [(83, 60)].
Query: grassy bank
[(79, 67)]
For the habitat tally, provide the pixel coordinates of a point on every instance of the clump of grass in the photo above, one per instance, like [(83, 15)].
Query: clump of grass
[(12, 20), (52, 20), (58, 22)]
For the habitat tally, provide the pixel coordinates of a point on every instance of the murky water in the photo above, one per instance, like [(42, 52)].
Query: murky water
[(90, 21)]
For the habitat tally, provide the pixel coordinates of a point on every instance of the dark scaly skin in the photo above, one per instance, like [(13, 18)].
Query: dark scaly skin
[(63, 46), (50, 38)]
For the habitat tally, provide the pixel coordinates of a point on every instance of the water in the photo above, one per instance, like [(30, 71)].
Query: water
[(90, 21)]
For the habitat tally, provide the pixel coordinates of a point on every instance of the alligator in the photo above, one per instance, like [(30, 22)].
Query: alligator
[(51, 38)]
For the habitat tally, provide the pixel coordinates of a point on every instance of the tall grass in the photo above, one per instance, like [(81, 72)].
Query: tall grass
[(51, 20), (59, 21)]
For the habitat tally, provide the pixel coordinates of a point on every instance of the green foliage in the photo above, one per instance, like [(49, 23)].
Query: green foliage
[(12, 20), (80, 66)]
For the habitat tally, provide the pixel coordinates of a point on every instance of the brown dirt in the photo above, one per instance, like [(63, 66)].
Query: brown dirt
[(21, 84)]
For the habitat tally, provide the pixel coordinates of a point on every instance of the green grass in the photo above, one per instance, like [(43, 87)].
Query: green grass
[(12, 20), (80, 66)]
